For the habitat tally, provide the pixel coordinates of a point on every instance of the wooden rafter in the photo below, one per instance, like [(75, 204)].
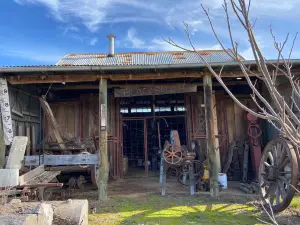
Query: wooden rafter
[(37, 79)]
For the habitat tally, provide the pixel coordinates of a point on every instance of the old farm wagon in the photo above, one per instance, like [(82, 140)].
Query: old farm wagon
[(279, 173), (114, 103)]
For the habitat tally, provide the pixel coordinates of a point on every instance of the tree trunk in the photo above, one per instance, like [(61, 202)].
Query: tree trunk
[(212, 153), (103, 157)]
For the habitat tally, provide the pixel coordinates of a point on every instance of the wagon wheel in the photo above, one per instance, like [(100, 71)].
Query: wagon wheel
[(172, 154), (198, 173), (278, 173), (94, 174)]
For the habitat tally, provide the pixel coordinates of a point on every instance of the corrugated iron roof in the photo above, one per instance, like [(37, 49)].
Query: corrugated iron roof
[(146, 58)]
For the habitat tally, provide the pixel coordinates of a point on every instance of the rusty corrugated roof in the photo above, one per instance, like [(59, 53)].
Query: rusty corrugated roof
[(145, 58)]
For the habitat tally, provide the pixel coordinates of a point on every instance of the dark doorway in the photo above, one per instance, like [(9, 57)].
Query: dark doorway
[(141, 117)]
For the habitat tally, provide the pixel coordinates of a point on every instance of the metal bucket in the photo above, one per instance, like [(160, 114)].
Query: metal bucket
[(222, 178)]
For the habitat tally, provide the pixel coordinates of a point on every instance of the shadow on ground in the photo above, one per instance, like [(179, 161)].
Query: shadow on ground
[(154, 209)]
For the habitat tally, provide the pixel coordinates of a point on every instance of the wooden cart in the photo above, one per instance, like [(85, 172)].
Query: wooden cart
[(279, 173), (33, 185)]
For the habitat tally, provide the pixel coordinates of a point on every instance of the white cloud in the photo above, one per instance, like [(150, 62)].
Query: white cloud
[(133, 41), (194, 31), (159, 44), (247, 54), (92, 13), (162, 45), (70, 28), (52, 4), (93, 41), (259, 6)]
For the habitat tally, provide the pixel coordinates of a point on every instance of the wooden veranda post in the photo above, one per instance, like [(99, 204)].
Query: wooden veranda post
[(2, 146), (103, 157), (212, 152)]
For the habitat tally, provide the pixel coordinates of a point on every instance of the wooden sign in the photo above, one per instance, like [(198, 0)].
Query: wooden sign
[(6, 113), (158, 90), (103, 117)]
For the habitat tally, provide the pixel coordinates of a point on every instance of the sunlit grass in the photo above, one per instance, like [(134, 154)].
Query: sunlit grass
[(295, 202), (154, 209)]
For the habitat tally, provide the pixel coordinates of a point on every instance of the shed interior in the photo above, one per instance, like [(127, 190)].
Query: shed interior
[(133, 121)]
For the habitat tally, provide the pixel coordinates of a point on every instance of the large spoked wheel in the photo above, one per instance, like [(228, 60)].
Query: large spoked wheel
[(94, 175), (172, 154), (278, 173)]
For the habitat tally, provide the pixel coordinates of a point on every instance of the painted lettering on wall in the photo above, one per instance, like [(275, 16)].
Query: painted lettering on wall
[(158, 90)]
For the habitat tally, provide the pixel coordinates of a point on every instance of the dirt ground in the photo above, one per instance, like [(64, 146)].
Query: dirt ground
[(140, 184), (137, 200), (129, 193)]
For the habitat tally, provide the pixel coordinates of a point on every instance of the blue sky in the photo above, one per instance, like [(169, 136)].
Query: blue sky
[(40, 32)]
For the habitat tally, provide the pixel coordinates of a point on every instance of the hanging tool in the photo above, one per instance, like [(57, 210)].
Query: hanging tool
[(245, 163), (254, 133)]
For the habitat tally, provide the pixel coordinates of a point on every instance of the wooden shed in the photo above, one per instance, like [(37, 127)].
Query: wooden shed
[(142, 90)]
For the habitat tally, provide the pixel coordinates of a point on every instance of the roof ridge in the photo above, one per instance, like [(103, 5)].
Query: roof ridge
[(154, 52)]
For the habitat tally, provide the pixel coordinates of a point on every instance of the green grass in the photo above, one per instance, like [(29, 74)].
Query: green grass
[(295, 204), (173, 210)]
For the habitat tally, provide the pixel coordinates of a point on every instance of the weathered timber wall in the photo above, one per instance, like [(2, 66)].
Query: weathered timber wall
[(25, 110), (285, 90), (81, 119), (231, 121), (67, 115)]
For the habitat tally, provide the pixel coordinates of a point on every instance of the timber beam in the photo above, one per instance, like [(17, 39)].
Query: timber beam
[(39, 79), (103, 153), (146, 85)]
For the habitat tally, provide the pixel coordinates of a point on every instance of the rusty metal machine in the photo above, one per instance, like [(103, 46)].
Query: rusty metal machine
[(189, 171), (254, 133), (279, 173)]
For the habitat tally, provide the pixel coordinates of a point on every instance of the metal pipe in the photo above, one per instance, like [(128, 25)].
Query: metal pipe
[(161, 167), (111, 47), (58, 68)]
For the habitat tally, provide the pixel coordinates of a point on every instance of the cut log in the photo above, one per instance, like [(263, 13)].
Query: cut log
[(52, 123)]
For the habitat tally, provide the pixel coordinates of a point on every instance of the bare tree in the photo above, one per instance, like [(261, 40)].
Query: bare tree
[(280, 112)]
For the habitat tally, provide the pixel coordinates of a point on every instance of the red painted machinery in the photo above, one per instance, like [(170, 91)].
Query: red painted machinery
[(254, 133)]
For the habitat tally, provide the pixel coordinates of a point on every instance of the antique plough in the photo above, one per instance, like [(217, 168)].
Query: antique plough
[(279, 173)]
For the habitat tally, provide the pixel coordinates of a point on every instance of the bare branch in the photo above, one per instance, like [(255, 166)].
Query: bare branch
[(292, 186), (277, 110), (291, 51), (248, 9)]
